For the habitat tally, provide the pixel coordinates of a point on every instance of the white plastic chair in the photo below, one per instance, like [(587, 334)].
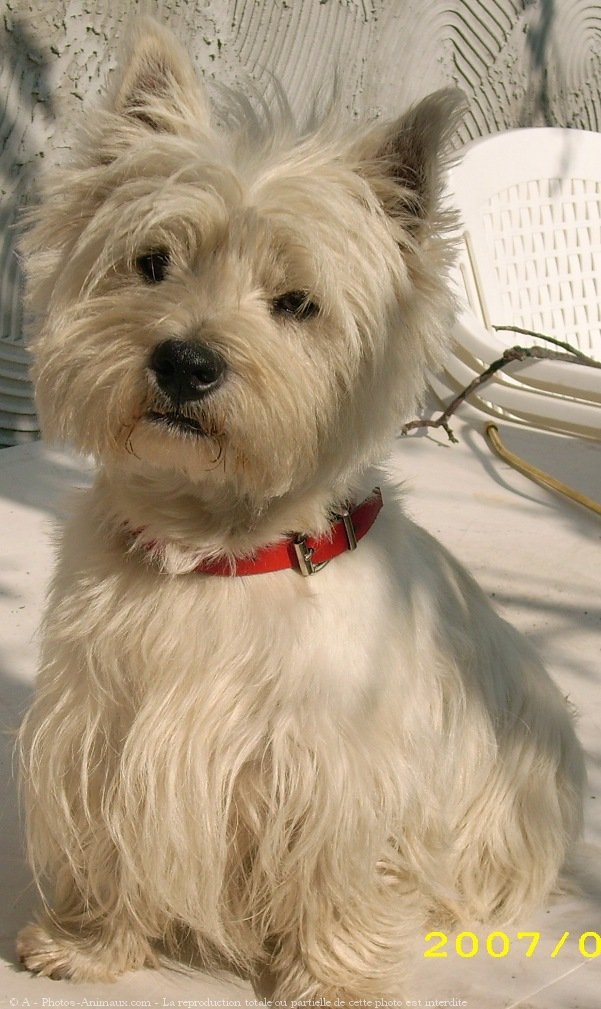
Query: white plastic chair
[(18, 420), (530, 256)]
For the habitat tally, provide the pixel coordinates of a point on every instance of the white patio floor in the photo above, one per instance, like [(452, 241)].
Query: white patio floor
[(538, 555)]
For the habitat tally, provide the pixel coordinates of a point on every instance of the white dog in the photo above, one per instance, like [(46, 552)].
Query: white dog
[(289, 762)]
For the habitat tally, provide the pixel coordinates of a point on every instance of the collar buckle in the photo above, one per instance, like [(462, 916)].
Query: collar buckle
[(304, 556), (304, 553)]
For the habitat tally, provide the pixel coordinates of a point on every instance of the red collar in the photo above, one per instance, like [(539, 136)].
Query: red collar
[(307, 554)]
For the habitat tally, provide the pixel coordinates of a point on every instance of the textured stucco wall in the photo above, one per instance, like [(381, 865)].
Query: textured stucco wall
[(520, 62)]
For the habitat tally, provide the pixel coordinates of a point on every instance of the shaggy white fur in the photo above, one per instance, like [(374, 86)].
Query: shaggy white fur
[(293, 772)]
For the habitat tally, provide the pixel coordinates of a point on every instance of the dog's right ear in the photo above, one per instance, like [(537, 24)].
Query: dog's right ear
[(156, 84)]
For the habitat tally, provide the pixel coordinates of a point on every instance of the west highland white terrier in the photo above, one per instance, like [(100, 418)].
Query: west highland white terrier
[(274, 719)]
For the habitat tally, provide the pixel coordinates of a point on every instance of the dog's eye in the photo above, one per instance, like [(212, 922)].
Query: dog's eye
[(295, 303), (153, 265)]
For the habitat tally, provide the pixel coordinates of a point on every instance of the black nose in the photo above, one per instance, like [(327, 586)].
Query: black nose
[(186, 370)]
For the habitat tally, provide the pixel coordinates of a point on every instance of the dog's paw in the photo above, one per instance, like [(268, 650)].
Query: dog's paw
[(57, 955), (56, 958)]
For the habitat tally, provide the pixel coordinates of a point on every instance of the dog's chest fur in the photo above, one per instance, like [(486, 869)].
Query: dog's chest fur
[(323, 648)]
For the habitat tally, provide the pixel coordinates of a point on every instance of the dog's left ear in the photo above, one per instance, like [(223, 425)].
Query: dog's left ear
[(156, 84), (404, 160)]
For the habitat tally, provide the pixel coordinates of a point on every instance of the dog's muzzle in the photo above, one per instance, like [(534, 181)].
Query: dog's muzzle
[(186, 370)]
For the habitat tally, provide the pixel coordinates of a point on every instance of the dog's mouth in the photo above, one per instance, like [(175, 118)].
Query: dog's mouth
[(176, 422)]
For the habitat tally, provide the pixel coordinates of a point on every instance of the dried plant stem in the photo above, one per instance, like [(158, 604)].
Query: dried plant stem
[(543, 336), (574, 356)]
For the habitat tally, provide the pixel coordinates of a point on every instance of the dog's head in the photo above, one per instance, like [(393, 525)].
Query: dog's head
[(243, 304)]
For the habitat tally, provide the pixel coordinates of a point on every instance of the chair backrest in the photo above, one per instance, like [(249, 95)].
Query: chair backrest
[(530, 201)]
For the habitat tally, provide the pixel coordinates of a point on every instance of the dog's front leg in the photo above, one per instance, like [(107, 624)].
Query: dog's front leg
[(70, 749)]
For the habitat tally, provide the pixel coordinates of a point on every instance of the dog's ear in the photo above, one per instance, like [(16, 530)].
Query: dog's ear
[(404, 160), (155, 83)]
